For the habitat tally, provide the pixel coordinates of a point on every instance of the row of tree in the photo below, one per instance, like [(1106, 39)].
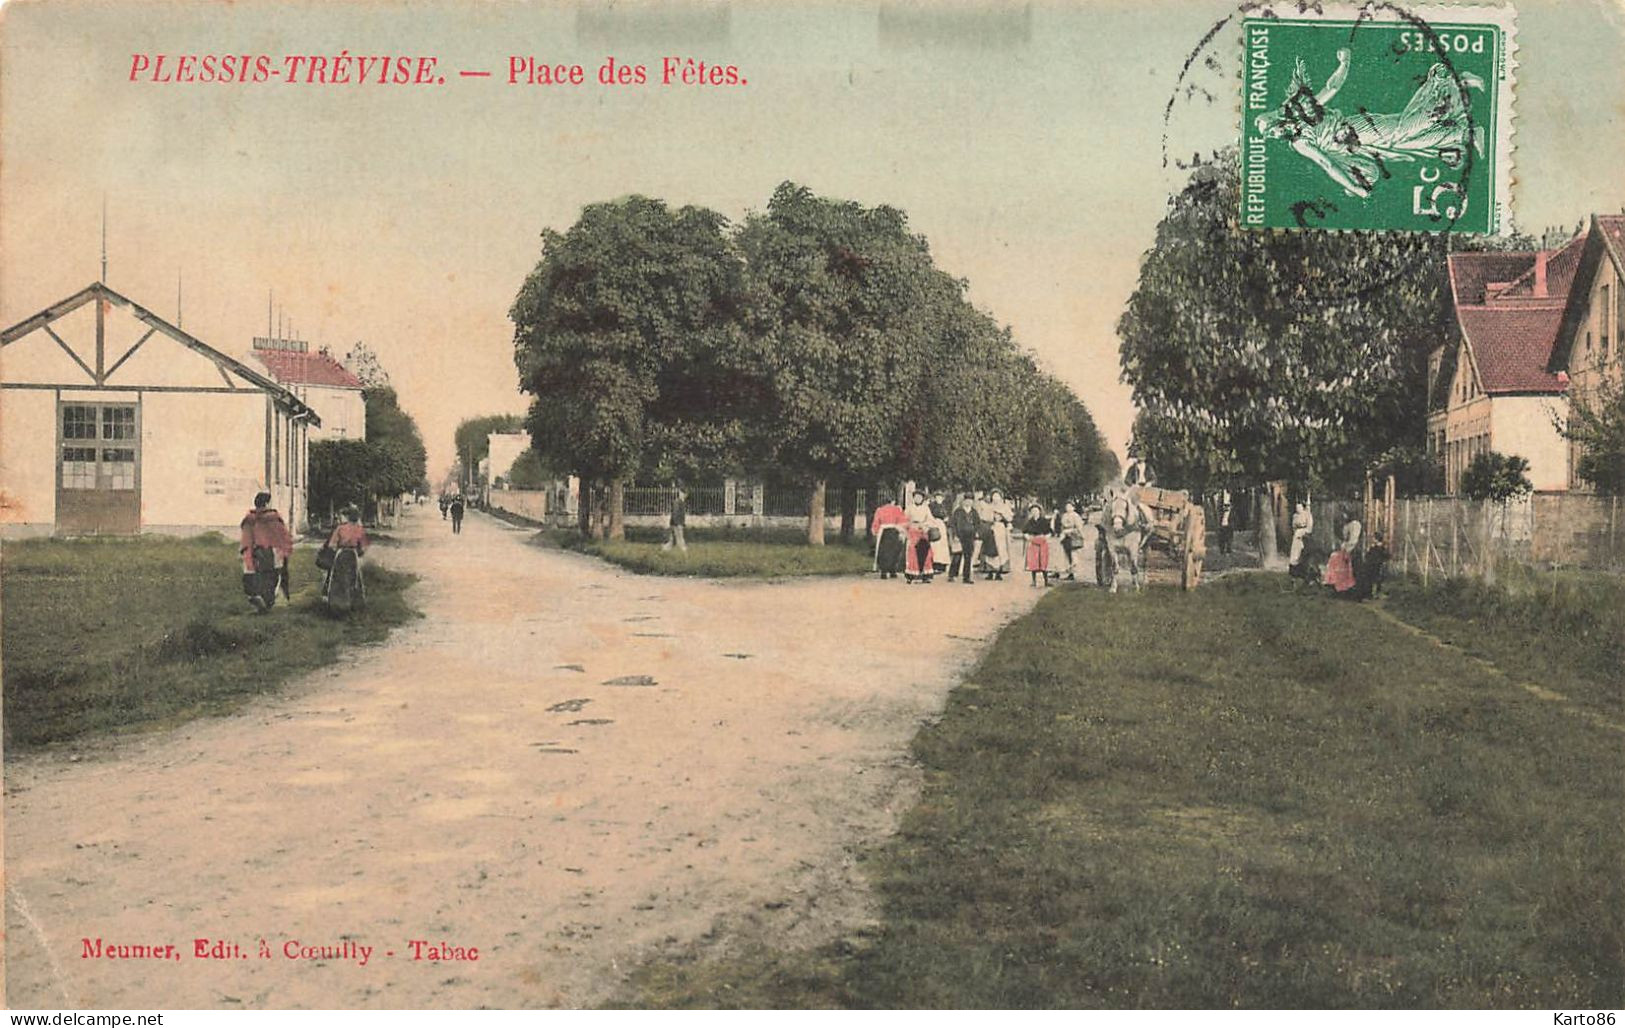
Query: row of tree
[(816, 339)]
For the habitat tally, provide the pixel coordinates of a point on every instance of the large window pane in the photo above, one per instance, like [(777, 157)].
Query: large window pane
[(78, 422)]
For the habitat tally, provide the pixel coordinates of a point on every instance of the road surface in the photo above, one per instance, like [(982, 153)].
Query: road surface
[(563, 766)]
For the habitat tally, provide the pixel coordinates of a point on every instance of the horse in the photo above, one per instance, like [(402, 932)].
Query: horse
[(1125, 537)]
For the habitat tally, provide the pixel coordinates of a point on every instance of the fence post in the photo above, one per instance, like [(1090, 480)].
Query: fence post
[(1486, 559), (1613, 533), (1427, 540), (1455, 536)]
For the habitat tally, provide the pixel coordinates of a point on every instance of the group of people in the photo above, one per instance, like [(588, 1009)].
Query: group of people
[(266, 544), (1353, 569), (933, 535)]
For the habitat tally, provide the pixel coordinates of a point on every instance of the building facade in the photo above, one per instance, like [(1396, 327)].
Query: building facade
[(1587, 351), (114, 421), (320, 381), (1490, 385)]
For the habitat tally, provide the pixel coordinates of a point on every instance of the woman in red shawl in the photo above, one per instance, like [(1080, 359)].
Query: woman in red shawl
[(887, 527), (266, 546)]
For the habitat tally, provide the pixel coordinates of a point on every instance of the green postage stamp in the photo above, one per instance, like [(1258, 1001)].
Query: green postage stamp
[(1377, 117)]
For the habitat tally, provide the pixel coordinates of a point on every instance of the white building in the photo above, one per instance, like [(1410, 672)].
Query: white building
[(320, 381), (114, 421), (505, 448)]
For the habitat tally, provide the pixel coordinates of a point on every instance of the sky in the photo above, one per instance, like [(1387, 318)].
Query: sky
[(1024, 141)]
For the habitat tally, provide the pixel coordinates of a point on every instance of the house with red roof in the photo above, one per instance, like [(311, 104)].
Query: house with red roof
[(1497, 383), (320, 381), (1587, 349)]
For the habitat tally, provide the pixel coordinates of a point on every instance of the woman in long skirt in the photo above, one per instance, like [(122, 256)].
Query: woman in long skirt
[(1001, 515), (1037, 529), (918, 566), (888, 527)]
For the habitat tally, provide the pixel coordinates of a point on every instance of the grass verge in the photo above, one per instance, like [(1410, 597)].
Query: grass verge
[(1240, 796), (1561, 630), (722, 553), (102, 635)]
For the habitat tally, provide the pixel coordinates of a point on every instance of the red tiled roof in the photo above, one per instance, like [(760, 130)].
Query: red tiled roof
[(1511, 346), (1561, 264), (291, 368), (1471, 272)]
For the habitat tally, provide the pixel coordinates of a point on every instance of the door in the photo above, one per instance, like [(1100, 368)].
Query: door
[(98, 483)]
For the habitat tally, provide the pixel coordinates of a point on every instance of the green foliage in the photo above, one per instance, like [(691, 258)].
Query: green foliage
[(1250, 358), (724, 554), (528, 471), (628, 334), (1495, 476), (1596, 425), (817, 341)]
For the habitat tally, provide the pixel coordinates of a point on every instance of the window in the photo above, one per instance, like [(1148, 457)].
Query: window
[(78, 467), (118, 423), (118, 467), (79, 422), (84, 464), (1602, 320)]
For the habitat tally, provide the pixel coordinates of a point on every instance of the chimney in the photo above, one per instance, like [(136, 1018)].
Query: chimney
[(1540, 271)]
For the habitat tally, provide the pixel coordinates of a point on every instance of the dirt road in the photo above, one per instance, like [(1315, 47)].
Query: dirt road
[(562, 765)]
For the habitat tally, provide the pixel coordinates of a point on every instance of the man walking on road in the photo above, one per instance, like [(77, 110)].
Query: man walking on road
[(679, 519), (457, 515)]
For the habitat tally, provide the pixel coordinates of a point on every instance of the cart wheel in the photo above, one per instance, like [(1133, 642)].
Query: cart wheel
[(1195, 549)]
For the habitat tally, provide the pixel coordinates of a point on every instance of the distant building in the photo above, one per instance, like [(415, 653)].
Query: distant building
[(1588, 344), (1491, 386), (505, 448), (114, 421), (320, 381)]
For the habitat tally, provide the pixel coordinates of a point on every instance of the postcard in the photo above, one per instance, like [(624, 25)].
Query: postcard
[(762, 504)]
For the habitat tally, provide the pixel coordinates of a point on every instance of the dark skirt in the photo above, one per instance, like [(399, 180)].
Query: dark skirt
[(890, 554)]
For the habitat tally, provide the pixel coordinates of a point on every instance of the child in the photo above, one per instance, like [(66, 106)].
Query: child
[(1037, 531)]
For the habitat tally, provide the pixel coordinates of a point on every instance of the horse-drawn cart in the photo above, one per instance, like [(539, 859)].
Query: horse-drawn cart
[(1174, 523)]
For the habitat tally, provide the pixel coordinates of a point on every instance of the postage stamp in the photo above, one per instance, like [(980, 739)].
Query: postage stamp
[(1378, 117)]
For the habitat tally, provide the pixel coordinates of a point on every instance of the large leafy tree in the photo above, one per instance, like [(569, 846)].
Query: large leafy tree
[(844, 300), (1262, 356), (627, 333)]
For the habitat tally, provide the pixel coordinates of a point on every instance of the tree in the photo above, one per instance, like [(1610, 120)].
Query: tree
[(1596, 426), (843, 297), (626, 333), (1495, 476), (363, 363), (1247, 362), (390, 462)]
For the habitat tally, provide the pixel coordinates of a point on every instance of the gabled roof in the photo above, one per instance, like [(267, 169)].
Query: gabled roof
[(1604, 241), (292, 368), (100, 291)]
